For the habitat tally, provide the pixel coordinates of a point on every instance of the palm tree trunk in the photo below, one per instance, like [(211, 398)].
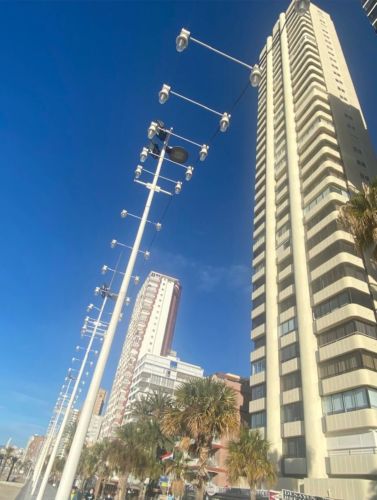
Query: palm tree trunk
[(199, 491), (122, 485)]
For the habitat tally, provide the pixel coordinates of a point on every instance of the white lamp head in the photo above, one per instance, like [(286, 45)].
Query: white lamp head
[(128, 301), (90, 307), (255, 76), (97, 290), (147, 254), (138, 171), (189, 172), (302, 7), (152, 130), (113, 243), (144, 154), (203, 152), (182, 40), (104, 269), (164, 94), (124, 214), (178, 187), (158, 226), (137, 280), (224, 122)]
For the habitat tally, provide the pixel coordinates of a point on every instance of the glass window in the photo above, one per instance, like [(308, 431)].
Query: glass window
[(258, 366), (293, 412), (258, 391), (258, 419), (291, 381), (346, 401), (294, 447), (372, 393), (289, 352), (287, 326)]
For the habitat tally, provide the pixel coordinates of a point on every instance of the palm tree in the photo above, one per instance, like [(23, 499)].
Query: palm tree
[(203, 410), (248, 458), (359, 217), (152, 406), (179, 470)]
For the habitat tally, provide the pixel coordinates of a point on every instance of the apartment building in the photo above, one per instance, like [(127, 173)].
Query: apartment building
[(370, 7), (150, 331), (314, 363), (160, 373)]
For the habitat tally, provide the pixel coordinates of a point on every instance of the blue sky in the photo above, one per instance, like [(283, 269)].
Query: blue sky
[(78, 89)]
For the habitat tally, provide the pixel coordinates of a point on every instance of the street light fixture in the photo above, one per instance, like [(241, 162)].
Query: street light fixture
[(144, 154), (203, 152), (255, 76), (152, 130), (224, 122), (182, 40), (138, 171), (189, 172), (178, 187), (164, 93)]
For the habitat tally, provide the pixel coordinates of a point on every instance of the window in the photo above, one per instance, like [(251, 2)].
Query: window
[(349, 362), (331, 207), (324, 194), (357, 150), (258, 366), (291, 381), (336, 274), (289, 352), (258, 391), (332, 250), (259, 300), (346, 329), (293, 412), (258, 283), (294, 447), (286, 282), (258, 251), (258, 419), (347, 401), (287, 326), (259, 342), (259, 320), (349, 296), (287, 304), (323, 233), (361, 163)]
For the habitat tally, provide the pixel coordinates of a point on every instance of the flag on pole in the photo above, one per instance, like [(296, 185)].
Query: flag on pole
[(167, 456)]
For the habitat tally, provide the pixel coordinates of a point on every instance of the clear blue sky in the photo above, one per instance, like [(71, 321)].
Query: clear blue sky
[(78, 88)]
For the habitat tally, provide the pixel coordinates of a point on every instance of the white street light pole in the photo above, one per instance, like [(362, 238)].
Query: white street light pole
[(70, 403), (46, 447), (70, 468)]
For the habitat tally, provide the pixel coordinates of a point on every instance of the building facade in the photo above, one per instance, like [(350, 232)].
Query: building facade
[(370, 8), (100, 402), (68, 433), (160, 373), (150, 331), (314, 363), (33, 448)]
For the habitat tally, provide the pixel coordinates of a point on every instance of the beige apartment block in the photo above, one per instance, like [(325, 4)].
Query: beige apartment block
[(314, 363)]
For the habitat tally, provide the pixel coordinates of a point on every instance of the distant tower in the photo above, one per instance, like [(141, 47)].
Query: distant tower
[(150, 331), (370, 7), (100, 402)]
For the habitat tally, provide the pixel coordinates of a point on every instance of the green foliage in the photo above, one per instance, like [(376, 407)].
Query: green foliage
[(359, 217), (248, 458), (203, 410)]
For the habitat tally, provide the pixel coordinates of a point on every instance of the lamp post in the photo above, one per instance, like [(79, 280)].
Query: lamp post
[(63, 426), (50, 436), (70, 468)]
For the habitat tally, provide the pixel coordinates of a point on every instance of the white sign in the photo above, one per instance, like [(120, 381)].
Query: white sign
[(211, 489)]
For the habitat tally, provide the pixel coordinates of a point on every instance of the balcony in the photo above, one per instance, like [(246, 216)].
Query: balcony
[(353, 462), (350, 380), (257, 405), (290, 366), (257, 311), (292, 429), (258, 353), (352, 421), (292, 396), (337, 235), (287, 292), (285, 272), (348, 311), (347, 344), (338, 286), (294, 466), (338, 259), (258, 331), (258, 378)]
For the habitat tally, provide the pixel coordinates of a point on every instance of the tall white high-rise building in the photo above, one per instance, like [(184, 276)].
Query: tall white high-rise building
[(150, 331), (314, 363)]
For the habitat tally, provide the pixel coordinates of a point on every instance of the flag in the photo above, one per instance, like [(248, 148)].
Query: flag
[(167, 456)]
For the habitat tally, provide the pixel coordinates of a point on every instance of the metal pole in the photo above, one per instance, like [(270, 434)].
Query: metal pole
[(49, 439), (70, 468), (70, 404)]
